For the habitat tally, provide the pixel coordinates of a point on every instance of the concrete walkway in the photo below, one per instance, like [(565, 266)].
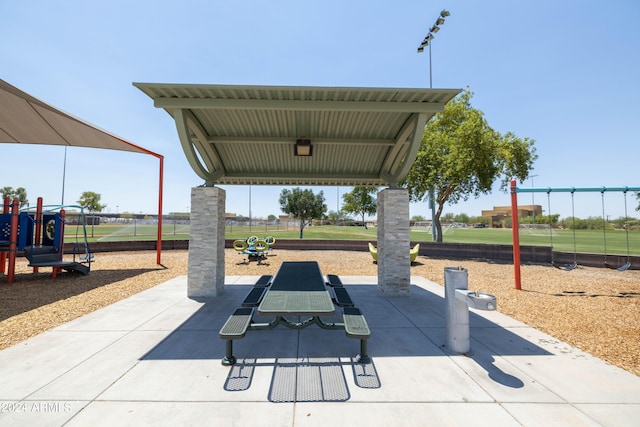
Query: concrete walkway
[(154, 359)]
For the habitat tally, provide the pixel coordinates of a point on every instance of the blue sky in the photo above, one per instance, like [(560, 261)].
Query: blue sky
[(564, 73)]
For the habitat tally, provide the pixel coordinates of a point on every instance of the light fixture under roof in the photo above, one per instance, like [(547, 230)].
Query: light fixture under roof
[(303, 147)]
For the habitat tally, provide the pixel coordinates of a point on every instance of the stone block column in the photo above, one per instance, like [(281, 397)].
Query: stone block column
[(394, 266), (206, 243)]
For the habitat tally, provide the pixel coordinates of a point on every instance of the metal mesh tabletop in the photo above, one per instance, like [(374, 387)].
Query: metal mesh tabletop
[(297, 289)]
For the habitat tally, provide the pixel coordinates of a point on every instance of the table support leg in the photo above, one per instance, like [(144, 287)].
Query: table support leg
[(229, 358), (363, 357)]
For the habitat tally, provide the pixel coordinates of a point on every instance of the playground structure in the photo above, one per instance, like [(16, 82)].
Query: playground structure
[(40, 236), (515, 224), (413, 253), (254, 249)]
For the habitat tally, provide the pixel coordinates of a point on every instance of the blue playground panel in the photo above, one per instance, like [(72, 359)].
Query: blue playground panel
[(52, 227), (25, 229)]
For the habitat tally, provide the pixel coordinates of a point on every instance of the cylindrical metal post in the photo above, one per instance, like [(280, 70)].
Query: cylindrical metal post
[(13, 240), (3, 255), (515, 232), (38, 228), (457, 321)]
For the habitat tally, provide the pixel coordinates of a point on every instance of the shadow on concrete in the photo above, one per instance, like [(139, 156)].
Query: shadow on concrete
[(305, 380), (33, 290), (401, 326)]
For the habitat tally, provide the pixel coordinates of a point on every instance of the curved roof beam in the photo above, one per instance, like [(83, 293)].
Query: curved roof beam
[(411, 148), (405, 149), (212, 169)]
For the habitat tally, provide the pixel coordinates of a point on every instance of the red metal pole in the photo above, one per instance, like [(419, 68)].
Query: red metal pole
[(38, 230), (13, 241), (515, 229), (161, 158), (159, 242), (3, 255)]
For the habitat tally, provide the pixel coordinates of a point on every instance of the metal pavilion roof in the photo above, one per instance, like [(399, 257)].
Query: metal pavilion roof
[(247, 134)]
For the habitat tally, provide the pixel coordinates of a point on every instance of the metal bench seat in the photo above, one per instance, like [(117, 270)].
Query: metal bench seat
[(355, 326), (342, 298), (235, 328), (254, 297), (333, 280), (263, 281), (237, 324)]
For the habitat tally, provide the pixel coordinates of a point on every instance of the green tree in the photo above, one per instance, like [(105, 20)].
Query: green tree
[(91, 201), (462, 156), (336, 217), (551, 219), (418, 218), (448, 217), (360, 201), (303, 205), (463, 218), (19, 193)]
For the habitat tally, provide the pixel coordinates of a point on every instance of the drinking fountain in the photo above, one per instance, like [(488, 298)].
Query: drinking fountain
[(459, 299)]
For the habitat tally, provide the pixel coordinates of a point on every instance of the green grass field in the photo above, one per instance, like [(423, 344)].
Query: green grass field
[(587, 241)]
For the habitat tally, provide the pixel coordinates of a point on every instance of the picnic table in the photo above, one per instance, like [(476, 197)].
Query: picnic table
[(299, 291)]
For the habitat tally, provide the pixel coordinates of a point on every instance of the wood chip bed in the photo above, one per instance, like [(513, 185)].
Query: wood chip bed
[(594, 309)]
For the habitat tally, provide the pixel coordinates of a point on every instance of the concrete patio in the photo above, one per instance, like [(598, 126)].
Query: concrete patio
[(154, 359)]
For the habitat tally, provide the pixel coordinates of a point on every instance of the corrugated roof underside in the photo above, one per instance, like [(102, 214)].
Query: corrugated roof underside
[(330, 160), (296, 124)]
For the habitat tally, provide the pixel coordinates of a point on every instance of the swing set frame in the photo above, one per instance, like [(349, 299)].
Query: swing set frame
[(515, 223)]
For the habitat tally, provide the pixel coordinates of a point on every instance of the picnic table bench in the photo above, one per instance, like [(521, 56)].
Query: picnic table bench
[(297, 290)]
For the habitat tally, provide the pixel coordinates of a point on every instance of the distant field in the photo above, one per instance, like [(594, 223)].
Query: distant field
[(587, 241)]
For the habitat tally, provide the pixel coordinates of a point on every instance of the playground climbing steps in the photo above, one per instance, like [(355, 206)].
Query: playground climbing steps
[(49, 256)]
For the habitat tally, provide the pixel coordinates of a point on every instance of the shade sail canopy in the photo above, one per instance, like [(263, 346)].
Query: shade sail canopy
[(247, 134), (28, 120)]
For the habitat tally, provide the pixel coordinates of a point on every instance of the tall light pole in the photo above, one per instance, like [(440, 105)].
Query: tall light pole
[(430, 36), (337, 204), (427, 42)]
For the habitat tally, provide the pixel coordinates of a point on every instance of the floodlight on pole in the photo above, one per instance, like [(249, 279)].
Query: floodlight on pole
[(430, 36), (426, 42)]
